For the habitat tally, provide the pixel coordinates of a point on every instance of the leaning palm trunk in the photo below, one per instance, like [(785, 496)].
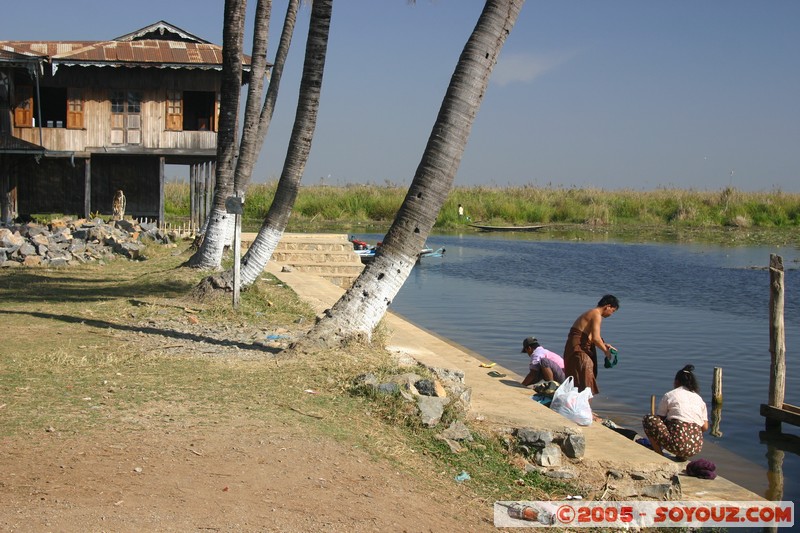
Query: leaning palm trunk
[(274, 223), (209, 255), (256, 126), (360, 309)]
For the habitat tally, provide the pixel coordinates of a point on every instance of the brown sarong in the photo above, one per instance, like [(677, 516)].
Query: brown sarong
[(580, 360)]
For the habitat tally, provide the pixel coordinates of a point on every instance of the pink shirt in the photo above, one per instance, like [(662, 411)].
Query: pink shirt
[(541, 353), (683, 404)]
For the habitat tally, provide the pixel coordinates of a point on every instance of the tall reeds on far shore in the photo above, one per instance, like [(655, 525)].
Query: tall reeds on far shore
[(523, 205)]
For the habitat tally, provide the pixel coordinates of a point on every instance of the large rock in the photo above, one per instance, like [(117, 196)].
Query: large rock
[(536, 438), (431, 409), (9, 239)]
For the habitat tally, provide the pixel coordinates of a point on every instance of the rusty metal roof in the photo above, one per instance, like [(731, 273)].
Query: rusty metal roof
[(148, 52), (160, 45)]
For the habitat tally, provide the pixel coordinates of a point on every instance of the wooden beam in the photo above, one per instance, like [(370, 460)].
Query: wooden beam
[(193, 195), (5, 186), (787, 413), (87, 187), (161, 220)]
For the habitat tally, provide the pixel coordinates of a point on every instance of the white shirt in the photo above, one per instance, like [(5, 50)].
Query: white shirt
[(684, 405)]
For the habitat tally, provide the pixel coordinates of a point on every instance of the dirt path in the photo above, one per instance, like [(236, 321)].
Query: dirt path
[(237, 476), (121, 409)]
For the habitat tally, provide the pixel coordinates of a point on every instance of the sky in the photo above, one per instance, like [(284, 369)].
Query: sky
[(615, 94)]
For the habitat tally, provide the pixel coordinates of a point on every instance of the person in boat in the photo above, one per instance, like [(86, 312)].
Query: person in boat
[(580, 351), (680, 419), (544, 365)]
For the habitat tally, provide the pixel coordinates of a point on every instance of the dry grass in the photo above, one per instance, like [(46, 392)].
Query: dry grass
[(118, 346)]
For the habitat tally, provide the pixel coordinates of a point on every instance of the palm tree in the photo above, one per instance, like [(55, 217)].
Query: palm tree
[(210, 253), (360, 309), (274, 224), (254, 129)]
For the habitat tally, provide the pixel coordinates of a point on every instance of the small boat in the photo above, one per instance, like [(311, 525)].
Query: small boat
[(366, 252), (430, 252), (482, 227)]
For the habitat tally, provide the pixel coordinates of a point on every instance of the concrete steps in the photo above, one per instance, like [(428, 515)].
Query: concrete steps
[(327, 255)]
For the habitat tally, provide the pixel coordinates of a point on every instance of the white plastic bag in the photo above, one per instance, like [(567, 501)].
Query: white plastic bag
[(567, 401)]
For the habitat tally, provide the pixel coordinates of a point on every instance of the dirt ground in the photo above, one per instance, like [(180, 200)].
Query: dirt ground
[(168, 465), (235, 476)]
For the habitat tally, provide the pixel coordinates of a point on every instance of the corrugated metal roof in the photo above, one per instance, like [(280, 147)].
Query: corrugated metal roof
[(11, 144), (11, 55), (149, 51), (160, 45), (42, 48)]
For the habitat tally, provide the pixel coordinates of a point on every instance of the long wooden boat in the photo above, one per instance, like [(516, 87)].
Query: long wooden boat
[(482, 227)]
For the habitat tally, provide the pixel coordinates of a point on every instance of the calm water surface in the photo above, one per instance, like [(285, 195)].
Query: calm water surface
[(698, 304)]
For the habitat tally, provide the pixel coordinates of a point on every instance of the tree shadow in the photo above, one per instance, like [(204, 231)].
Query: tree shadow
[(179, 335), (32, 287)]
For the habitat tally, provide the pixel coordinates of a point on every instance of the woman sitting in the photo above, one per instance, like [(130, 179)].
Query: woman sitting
[(680, 420)]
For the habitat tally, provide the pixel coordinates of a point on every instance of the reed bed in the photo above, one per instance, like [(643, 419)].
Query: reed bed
[(378, 204)]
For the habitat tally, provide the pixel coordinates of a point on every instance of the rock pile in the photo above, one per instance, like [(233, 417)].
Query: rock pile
[(430, 395), (69, 241)]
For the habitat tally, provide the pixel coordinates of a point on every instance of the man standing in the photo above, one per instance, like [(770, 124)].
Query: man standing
[(580, 354)]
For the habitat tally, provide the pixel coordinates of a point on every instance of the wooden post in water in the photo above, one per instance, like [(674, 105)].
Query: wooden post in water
[(777, 339), (716, 402), (716, 387)]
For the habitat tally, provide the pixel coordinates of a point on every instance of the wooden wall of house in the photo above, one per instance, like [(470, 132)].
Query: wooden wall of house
[(97, 84), (136, 176), (49, 186)]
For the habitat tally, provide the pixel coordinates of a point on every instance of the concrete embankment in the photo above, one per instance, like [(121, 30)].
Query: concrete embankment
[(503, 403)]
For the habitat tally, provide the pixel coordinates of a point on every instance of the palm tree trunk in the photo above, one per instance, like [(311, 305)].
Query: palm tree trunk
[(257, 125), (360, 309), (209, 255), (274, 223)]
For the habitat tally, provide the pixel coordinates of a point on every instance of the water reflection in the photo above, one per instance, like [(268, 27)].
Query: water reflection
[(716, 421)]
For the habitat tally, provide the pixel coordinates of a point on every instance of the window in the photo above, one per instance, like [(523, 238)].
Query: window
[(191, 111), (74, 109), (126, 120), (53, 106), (59, 107), (174, 110), (23, 108)]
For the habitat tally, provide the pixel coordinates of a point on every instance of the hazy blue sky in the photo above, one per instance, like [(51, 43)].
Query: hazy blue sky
[(609, 94)]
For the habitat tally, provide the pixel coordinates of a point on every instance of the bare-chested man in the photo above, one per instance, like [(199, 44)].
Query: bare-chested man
[(580, 354)]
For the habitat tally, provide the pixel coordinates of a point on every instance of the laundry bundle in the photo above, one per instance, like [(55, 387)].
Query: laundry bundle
[(702, 468)]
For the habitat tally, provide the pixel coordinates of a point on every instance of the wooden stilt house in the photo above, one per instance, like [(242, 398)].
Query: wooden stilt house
[(80, 120)]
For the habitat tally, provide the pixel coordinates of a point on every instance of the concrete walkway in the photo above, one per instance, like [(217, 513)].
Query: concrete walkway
[(502, 402)]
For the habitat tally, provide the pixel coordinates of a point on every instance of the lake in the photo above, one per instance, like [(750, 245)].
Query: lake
[(680, 303)]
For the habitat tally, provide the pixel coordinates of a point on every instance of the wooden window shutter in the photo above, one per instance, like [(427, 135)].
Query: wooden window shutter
[(74, 109), (23, 110), (215, 125), (174, 111)]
